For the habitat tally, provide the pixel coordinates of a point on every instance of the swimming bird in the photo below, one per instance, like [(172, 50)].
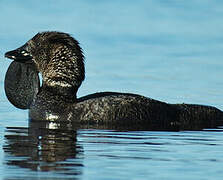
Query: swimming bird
[(58, 57)]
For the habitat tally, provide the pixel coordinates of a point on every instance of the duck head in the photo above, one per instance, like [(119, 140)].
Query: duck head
[(56, 55)]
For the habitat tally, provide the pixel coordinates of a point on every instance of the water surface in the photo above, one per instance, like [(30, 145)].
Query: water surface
[(103, 154)]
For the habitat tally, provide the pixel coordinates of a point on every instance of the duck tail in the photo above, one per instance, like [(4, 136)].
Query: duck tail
[(197, 117)]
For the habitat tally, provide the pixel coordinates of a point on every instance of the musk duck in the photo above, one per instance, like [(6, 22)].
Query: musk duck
[(58, 57)]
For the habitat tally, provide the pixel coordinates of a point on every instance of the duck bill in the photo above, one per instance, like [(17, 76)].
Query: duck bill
[(20, 54)]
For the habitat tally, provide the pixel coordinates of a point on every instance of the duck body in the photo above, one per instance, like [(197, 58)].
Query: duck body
[(112, 110), (58, 57), (106, 108)]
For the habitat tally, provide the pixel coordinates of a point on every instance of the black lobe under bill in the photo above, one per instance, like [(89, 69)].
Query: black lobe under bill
[(21, 84)]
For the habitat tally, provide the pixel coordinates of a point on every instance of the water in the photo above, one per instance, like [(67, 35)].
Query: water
[(103, 154), (167, 50)]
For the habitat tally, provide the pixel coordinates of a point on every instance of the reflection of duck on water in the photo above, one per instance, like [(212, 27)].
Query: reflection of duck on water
[(44, 146), (58, 57)]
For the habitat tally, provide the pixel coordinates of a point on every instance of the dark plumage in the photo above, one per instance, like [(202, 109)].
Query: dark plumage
[(58, 57)]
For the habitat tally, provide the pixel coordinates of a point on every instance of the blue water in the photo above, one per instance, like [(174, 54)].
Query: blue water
[(170, 50)]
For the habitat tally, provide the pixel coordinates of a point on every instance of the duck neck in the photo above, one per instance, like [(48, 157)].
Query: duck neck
[(66, 94), (64, 72)]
